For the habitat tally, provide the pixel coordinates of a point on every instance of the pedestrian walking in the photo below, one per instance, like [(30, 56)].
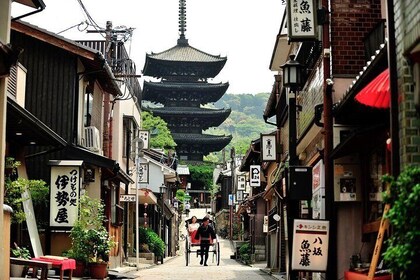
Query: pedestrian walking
[(187, 209), (196, 205), (205, 234)]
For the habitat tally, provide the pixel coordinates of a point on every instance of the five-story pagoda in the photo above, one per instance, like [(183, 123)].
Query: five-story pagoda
[(182, 90)]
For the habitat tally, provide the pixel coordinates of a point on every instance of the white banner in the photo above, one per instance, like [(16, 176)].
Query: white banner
[(64, 195)]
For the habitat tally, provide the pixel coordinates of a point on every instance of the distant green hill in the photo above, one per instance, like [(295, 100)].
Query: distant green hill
[(245, 123)]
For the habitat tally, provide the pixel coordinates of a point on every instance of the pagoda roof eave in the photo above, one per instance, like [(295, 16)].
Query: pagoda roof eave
[(182, 111), (185, 53)]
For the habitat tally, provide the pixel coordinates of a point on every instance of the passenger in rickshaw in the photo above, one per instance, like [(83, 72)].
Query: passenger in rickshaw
[(193, 227), (205, 234)]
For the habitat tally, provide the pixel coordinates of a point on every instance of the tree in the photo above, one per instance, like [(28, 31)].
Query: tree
[(161, 136), (403, 252)]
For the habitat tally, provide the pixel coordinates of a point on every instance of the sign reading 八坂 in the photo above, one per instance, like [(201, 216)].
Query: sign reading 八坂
[(310, 245), (301, 18), (64, 195)]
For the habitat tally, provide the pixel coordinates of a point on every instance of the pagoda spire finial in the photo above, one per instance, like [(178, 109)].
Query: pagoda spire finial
[(182, 22)]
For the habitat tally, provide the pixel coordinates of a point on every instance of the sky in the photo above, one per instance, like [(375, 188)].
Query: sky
[(243, 30)]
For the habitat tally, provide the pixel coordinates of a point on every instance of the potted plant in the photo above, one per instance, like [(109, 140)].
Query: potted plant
[(16, 270), (91, 243)]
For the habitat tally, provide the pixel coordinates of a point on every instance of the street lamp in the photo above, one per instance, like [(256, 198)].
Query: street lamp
[(292, 80), (162, 191)]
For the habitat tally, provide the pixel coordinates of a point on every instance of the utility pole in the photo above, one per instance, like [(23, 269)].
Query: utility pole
[(232, 190)]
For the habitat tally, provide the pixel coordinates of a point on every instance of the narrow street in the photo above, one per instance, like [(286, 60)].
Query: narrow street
[(175, 268)]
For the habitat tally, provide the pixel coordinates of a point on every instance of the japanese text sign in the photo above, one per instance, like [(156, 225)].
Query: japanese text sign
[(310, 245), (143, 172), (268, 147), (144, 135), (301, 17), (64, 195), (241, 182), (254, 175)]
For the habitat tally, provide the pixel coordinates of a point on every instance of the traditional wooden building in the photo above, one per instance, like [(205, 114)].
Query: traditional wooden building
[(183, 88)]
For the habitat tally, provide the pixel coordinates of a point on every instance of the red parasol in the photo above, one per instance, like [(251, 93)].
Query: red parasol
[(376, 93)]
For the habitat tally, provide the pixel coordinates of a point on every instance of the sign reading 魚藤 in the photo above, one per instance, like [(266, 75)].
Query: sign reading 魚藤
[(254, 175), (64, 195), (301, 18), (310, 245)]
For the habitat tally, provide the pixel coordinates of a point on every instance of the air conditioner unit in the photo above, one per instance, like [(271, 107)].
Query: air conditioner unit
[(92, 139)]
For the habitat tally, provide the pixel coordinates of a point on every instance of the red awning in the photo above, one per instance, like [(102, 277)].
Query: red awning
[(376, 93)]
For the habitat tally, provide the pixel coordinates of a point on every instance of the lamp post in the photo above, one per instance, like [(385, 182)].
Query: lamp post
[(162, 191), (292, 80)]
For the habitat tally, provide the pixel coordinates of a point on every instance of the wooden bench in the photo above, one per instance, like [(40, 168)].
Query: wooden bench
[(35, 265)]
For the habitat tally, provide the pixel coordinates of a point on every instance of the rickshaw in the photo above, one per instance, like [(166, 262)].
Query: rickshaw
[(193, 246)]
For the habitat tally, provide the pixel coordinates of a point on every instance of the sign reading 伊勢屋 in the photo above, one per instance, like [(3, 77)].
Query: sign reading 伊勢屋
[(64, 195), (310, 245), (301, 18)]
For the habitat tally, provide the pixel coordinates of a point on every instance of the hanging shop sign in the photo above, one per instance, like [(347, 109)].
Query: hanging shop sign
[(241, 182), (268, 147), (310, 245), (143, 171), (144, 135), (64, 194), (254, 176), (301, 18), (239, 196)]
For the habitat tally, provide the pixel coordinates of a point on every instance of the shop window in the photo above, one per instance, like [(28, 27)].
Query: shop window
[(117, 211)]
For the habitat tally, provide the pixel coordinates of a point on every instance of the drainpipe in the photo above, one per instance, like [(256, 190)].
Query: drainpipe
[(330, 211), (393, 85)]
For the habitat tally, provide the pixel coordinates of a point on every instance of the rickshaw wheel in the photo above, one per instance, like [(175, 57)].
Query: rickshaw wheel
[(187, 252)]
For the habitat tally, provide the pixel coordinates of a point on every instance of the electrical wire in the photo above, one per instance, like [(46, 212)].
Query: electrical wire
[(76, 25)]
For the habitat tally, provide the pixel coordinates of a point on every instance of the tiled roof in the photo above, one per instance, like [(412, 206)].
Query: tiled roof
[(202, 138), (186, 53), (190, 111)]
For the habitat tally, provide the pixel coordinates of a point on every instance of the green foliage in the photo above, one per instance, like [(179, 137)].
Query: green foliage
[(403, 250), (90, 239), (20, 252), (202, 174), (163, 138), (245, 123), (245, 253), (14, 188), (154, 242)]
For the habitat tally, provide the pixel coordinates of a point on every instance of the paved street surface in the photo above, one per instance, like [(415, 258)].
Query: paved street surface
[(175, 268)]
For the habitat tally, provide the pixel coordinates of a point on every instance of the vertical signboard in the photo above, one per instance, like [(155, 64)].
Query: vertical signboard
[(268, 147), (241, 182), (301, 18), (143, 170), (310, 245), (144, 135), (254, 176), (64, 195)]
